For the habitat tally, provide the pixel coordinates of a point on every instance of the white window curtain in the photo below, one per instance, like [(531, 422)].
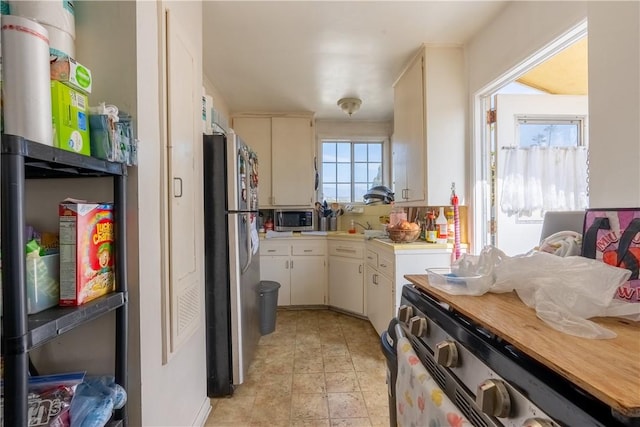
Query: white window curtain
[(539, 179)]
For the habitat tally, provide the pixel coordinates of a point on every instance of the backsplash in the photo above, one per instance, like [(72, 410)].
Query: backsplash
[(369, 216)]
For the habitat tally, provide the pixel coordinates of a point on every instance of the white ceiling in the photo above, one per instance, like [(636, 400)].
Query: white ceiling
[(293, 56)]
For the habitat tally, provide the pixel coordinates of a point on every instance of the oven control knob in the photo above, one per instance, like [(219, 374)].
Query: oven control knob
[(446, 354), (493, 398), (538, 422), (418, 326), (405, 312)]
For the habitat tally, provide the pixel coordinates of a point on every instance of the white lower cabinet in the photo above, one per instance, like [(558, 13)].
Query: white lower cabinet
[(386, 267), (346, 276), (300, 268), (379, 289)]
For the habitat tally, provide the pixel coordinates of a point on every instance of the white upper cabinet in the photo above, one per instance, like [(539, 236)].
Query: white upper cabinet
[(285, 147), (292, 162), (256, 132), (429, 128)]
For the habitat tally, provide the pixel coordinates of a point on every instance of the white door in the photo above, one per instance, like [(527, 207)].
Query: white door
[(519, 234), (183, 133)]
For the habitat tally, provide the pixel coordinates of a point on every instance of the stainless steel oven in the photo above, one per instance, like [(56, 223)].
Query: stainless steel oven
[(489, 381)]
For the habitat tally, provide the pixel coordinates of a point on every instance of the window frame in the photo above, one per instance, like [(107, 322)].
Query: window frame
[(552, 119), (386, 161)]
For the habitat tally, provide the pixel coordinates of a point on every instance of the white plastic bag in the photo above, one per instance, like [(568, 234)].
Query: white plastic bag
[(565, 291)]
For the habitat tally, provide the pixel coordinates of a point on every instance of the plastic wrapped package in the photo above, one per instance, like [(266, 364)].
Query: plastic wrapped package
[(565, 291), (50, 398), (94, 401)]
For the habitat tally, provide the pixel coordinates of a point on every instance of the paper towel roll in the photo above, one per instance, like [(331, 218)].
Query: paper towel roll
[(59, 13), (61, 43), (26, 87)]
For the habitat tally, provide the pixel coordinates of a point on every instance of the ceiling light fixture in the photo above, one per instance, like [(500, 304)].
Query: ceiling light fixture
[(350, 105)]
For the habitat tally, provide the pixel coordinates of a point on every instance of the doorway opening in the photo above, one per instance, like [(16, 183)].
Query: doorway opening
[(528, 85)]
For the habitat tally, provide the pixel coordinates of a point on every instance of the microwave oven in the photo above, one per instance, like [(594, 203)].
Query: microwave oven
[(294, 219)]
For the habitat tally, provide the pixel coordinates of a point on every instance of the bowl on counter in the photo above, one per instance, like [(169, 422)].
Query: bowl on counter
[(403, 236)]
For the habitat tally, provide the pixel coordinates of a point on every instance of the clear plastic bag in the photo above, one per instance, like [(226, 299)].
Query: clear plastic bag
[(565, 291)]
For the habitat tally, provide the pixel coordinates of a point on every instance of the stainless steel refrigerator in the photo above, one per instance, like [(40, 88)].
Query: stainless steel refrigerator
[(232, 267)]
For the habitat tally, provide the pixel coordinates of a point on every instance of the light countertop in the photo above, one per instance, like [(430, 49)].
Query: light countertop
[(381, 242)]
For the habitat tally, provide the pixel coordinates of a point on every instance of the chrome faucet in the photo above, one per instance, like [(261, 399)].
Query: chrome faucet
[(367, 227)]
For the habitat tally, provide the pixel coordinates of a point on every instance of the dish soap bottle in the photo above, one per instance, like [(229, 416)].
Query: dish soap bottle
[(441, 225)]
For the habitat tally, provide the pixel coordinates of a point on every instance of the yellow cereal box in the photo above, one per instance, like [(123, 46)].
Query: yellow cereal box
[(86, 251)]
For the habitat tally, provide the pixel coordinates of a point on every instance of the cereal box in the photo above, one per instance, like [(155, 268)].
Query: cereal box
[(86, 251)]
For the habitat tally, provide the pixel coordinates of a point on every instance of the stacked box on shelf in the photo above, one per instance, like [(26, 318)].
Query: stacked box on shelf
[(86, 251), (70, 118)]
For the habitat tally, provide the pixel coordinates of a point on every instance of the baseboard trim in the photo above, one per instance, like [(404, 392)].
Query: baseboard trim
[(203, 413)]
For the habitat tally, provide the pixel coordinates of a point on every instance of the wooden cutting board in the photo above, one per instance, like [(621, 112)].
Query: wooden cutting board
[(608, 369)]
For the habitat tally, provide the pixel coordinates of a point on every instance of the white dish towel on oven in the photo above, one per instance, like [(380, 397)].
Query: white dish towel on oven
[(419, 400)]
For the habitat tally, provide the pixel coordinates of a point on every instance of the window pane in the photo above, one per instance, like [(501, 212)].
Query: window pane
[(359, 152), (344, 172), (344, 152), (360, 172), (344, 193), (329, 192), (328, 172), (375, 172), (548, 134), (328, 151), (359, 190), (375, 152)]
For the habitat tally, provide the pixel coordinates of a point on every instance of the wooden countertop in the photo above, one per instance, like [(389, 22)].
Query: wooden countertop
[(608, 369)]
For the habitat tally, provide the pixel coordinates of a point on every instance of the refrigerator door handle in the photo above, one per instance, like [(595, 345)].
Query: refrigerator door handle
[(248, 243)]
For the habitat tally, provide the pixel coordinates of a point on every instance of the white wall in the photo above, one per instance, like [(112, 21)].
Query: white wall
[(173, 394), (614, 103), (520, 30), (524, 28)]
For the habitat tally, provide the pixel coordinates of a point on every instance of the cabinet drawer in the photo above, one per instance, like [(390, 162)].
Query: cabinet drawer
[(372, 259), (385, 266), (308, 248), (348, 251), (270, 249)]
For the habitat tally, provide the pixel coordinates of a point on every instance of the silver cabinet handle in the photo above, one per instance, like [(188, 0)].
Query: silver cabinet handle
[(360, 269), (286, 264), (383, 265), (292, 264), (375, 279), (271, 250), (308, 250), (349, 251)]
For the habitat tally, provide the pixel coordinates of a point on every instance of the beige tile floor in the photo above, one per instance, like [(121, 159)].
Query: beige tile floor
[(319, 368)]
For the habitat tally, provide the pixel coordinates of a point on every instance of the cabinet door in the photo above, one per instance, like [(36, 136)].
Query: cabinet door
[(292, 162), (308, 278), (346, 284), (276, 268), (384, 303), (256, 132), (371, 292), (409, 134)]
